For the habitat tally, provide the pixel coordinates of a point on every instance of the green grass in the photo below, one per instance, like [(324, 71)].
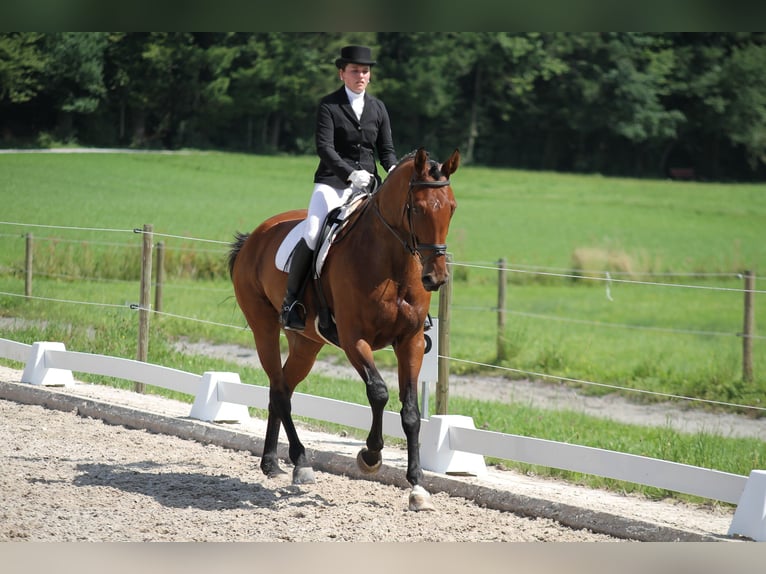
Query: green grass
[(555, 325)]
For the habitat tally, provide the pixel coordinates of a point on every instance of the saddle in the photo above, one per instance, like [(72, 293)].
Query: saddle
[(335, 226)]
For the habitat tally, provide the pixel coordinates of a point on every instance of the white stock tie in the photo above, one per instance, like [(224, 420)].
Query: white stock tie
[(358, 105)]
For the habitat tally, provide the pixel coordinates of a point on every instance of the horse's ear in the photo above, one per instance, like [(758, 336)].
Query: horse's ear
[(421, 161), (450, 166)]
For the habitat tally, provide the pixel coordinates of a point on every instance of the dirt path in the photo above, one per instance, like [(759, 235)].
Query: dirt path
[(69, 478)]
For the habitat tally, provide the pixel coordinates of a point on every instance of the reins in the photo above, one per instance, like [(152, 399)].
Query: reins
[(413, 246)]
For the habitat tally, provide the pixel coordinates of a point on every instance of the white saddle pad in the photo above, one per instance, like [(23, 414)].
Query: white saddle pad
[(283, 258)]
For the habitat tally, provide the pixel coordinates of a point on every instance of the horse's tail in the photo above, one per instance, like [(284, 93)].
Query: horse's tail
[(236, 245)]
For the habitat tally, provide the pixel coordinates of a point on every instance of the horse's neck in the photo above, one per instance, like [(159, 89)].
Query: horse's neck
[(392, 195), (386, 222)]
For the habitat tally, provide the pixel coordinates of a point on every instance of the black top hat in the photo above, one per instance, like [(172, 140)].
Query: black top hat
[(354, 55)]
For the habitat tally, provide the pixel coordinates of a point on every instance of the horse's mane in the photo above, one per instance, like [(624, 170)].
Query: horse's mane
[(407, 156)]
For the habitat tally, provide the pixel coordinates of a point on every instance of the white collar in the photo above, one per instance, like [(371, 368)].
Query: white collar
[(352, 96)]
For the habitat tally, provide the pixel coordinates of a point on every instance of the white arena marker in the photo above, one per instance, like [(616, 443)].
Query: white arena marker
[(208, 407), (38, 370), (750, 516)]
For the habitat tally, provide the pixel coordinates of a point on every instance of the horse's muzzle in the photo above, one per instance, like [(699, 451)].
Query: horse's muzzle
[(431, 283)]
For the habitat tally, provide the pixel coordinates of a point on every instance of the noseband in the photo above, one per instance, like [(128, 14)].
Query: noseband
[(413, 245)]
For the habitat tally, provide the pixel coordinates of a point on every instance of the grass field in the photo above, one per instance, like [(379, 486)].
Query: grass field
[(668, 339)]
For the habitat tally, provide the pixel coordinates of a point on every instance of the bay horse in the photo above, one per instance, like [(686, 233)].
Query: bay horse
[(377, 281)]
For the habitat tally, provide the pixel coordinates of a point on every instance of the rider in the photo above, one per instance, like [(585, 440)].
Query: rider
[(351, 126)]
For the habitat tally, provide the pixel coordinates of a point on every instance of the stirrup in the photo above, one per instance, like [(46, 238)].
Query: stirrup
[(291, 319)]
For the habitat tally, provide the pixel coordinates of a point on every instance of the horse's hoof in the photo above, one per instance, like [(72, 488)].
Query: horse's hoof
[(366, 468), (303, 475), (420, 499)]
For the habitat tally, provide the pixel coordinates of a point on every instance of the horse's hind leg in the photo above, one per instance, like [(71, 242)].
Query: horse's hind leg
[(301, 356), (264, 323)]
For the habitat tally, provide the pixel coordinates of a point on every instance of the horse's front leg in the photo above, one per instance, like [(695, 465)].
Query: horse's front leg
[(409, 356), (360, 355)]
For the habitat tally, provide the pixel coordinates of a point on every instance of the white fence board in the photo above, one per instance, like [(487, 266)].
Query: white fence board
[(320, 408), (241, 394), (14, 350), (610, 464), (342, 413), (122, 368)]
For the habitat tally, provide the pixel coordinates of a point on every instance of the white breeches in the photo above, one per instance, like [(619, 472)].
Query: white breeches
[(323, 200)]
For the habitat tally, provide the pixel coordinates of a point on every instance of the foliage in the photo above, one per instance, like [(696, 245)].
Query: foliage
[(638, 104), (22, 62)]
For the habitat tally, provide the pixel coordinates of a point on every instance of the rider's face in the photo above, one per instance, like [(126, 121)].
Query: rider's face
[(356, 77)]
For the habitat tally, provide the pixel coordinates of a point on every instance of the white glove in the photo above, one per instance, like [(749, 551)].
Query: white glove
[(360, 178)]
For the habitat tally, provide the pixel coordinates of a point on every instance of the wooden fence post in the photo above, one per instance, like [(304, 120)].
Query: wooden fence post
[(145, 302), (501, 284), (159, 276), (748, 328), (442, 380), (28, 266)]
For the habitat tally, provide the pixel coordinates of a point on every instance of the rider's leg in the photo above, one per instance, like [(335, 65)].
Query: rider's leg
[(300, 263), (323, 199)]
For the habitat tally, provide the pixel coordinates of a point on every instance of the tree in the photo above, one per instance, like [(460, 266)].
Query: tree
[(606, 110), (719, 87), (277, 82), (420, 73), (22, 63), (74, 76), (744, 86), (616, 103), (507, 71)]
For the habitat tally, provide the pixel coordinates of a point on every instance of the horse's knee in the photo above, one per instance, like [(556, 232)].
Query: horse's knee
[(377, 392)]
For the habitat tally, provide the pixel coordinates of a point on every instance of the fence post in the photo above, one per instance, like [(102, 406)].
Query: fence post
[(160, 276), (501, 284), (748, 328), (28, 266), (442, 381), (145, 302)]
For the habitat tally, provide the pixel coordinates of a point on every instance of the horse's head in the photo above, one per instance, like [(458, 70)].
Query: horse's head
[(430, 205)]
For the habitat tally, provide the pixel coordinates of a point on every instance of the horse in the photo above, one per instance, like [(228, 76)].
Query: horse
[(377, 281)]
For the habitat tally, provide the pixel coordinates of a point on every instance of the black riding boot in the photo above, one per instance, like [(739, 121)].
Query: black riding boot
[(299, 266)]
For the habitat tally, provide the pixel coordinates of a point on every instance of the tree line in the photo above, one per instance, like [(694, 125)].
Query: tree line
[(632, 104)]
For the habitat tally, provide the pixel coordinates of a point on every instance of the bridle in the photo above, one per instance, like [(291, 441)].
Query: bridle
[(413, 245)]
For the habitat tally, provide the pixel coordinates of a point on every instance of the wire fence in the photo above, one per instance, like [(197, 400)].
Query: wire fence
[(607, 278)]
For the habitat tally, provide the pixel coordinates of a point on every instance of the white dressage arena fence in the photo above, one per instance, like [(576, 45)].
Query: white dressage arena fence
[(449, 443)]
